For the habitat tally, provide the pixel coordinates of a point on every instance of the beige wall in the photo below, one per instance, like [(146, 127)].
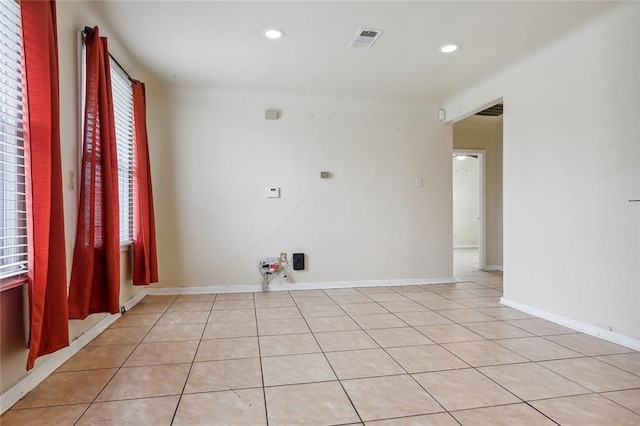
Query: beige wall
[(571, 165), (368, 222), (481, 132), (72, 17)]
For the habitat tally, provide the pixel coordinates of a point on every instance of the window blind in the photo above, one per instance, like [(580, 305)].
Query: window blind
[(13, 214), (123, 113)]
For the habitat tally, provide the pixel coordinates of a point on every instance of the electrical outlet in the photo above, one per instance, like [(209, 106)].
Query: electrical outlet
[(283, 258)]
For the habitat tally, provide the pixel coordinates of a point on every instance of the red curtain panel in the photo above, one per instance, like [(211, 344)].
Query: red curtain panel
[(145, 262), (48, 318), (95, 274)]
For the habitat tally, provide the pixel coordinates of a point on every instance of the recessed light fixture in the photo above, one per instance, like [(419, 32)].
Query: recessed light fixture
[(449, 47), (273, 33)]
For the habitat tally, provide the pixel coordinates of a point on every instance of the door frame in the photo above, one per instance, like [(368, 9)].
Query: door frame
[(482, 202)]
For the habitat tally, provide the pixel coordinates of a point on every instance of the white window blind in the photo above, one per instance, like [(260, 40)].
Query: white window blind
[(123, 113), (13, 214)]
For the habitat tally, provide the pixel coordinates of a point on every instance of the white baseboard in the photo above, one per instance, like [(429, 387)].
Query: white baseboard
[(465, 246), (494, 268), (285, 286), (592, 330), (41, 371)]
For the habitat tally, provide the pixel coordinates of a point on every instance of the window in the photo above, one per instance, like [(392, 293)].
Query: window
[(13, 214), (123, 113)]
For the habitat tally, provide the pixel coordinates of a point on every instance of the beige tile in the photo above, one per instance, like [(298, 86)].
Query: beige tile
[(164, 299), (196, 298), (338, 292), (282, 326), (234, 296), (142, 382), (120, 336), (284, 312), (416, 319), (293, 369), (629, 362), (309, 404), (423, 296), (483, 353), (354, 298), (224, 375), (364, 309), (190, 306), (310, 311), (163, 353), (404, 306), (503, 415), (496, 330), (485, 292), (277, 302), (65, 415), (541, 327), (233, 304), (505, 313), (458, 294), (369, 322), (538, 349), (391, 337), (387, 297), (465, 315), (375, 290), (628, 398), (137, 320), (345, 341), (480, 302), (271, 294), (588, 345), (232, 315), (593, 374), (324, 324), (230, 329), (441, 304), (363, 363), (307, 293), (391, 396), (439, 419), (237, 407), (179, 318), (174, 333), (462, 389), (586, 410), (155, 411), (530, 381), (233, 348), (148, 308), (288, 344), (420, 359), (97, 357), (73, 387), (404, 289), (449, 333), (314, 301)]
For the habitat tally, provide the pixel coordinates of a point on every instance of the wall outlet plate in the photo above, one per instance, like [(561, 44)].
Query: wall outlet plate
[(283, 258)]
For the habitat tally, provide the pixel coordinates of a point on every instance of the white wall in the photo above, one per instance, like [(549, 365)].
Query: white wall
[(485, 133), (466, 206), (368, 222), (72, 18), (571, 242)]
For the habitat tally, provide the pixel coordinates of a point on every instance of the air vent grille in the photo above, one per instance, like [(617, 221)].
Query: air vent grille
[(365, 38), (493, 111)]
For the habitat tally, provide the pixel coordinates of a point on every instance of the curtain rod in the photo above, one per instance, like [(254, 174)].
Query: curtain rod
[(89, 31)]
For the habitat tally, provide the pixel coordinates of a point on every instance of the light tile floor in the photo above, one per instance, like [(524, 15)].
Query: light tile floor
[(443, 354)]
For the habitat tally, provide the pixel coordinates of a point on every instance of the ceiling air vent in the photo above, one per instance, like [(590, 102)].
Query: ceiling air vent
[(493, 111), (365, 38)]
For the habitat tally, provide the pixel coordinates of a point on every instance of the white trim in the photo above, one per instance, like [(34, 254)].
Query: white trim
[(482, 209), (56, 359), (592, 330), (465, 246), (254, 288), (494, 268)]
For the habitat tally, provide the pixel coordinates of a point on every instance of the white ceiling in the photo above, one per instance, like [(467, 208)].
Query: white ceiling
[(220, 45)]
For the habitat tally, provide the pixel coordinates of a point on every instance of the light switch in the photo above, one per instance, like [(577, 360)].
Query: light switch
[(272, 192), (418, 181)]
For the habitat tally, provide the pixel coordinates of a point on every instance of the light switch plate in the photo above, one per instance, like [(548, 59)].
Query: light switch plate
[(272, 192)]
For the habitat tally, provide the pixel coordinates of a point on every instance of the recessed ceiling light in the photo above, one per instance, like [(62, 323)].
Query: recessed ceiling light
[(273, 33), (449, 48)]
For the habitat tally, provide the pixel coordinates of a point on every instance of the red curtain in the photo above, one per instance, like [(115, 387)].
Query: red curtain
[(95, 274), (48, 319), (145, 262)]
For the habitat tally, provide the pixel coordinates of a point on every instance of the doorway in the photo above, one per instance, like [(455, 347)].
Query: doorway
[(469, 241)]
